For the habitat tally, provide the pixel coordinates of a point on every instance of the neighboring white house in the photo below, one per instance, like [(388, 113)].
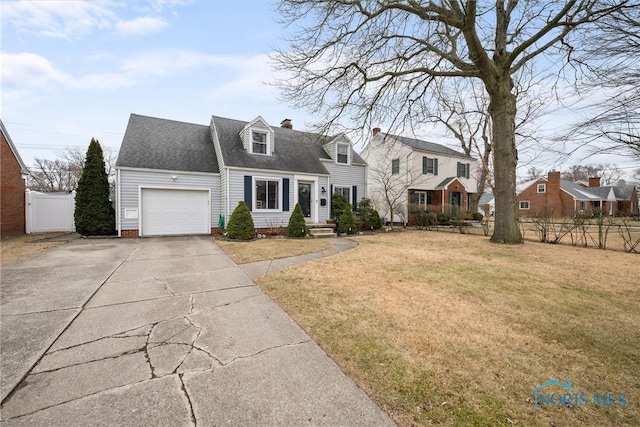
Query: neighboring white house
[(418, 175), (180, 178)]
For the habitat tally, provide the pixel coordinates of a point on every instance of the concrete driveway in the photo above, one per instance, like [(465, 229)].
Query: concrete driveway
[(163, 332)]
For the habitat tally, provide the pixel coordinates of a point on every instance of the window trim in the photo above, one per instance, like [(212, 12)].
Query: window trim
[(348, 162), (255, 194), (543, 186), (394, 167), (335, 188), (267, 142), (520, 205)]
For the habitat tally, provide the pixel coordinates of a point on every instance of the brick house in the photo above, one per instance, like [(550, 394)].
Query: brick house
[(562, 198), (13, 174)]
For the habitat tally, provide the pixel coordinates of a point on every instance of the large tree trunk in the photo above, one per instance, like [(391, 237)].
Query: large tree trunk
[(502, 108)]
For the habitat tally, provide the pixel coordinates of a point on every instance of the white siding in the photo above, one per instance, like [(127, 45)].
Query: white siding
[(131, 181)]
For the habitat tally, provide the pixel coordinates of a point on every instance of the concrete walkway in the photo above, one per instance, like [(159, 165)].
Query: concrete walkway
[(162, 332)]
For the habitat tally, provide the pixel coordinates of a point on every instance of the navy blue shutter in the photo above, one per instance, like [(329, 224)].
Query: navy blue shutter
[(435, 166), (354, 195), (248, 191), (467, 170), (424, 165), (285, 194)]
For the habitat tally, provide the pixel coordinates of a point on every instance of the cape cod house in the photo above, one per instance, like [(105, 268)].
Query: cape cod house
[(180, 178), (419, 175)]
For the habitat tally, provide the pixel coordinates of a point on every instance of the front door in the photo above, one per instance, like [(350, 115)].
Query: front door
[(455, 199), (304, 198)]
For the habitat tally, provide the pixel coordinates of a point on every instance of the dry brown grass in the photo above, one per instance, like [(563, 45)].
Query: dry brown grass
[(450, 329), (26, 245), (264, 249)]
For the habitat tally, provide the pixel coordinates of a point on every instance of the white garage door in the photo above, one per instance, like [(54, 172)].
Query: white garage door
[(172, 212)]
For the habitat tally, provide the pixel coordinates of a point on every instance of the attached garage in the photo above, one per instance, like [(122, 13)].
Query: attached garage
[(166, 212)]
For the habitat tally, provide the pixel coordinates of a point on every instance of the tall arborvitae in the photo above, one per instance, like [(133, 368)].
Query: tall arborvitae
[(94, 214)]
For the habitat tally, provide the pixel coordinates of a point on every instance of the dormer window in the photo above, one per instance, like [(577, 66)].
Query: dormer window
[(259, 142), (342, 154)]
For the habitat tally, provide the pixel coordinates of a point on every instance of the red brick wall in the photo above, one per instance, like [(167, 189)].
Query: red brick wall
[(12, 189)]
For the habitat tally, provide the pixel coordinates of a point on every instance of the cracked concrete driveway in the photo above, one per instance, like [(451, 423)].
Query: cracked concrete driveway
[(163, 332)]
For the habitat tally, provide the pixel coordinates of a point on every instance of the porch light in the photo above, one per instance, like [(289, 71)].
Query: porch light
[(323, 191)]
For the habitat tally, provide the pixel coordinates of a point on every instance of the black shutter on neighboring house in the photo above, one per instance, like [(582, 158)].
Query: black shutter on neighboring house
[(435, 166), (248, 191), (354, 196), (285, 194), (331, 191)]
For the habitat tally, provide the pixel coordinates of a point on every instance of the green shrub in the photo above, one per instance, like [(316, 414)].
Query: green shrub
[(444, 218), (297, 226), (476, 216), (347, 221), (94, 214), (240, 225), (369, 217)]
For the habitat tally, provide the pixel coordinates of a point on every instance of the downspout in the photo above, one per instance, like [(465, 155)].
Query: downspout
[(118, 215), (227, 197)]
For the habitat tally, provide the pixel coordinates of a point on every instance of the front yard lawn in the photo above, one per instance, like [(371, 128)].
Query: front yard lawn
[(443, 328)]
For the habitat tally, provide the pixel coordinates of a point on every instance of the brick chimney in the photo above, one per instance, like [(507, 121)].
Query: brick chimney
[(286, 123), (594, 181), (376, 131), (554, 201)]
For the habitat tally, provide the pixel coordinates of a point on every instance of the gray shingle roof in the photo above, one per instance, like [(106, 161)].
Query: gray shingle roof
[(427, 146), (294, 150), (152, 143)]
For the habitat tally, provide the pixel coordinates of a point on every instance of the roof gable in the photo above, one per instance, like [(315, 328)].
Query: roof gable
[(153, 143), (14, 150)]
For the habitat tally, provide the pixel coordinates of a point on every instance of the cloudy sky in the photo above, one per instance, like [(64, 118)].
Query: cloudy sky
[(73, 70)]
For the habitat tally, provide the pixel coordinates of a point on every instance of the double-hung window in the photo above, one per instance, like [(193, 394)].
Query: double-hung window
[(259, 142), (343, 191), (429, 166), (542, 188), (342, 151), (395, 166), (524, 205), (267, 194), (463, 170)]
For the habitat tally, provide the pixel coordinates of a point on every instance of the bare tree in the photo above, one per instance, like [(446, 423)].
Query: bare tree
[(375, 62), (615, 119), (533, 173), (63, 173), (608, 173)]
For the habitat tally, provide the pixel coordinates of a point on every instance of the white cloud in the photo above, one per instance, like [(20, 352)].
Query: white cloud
[(31, 70), (141, 26), (59, 19)]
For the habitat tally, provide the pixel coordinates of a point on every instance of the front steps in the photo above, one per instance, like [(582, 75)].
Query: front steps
[(322, 230)]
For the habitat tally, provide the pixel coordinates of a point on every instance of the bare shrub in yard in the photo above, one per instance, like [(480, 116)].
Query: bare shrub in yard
[(630, 242), (579, 231), (603, 225), (548, 230)]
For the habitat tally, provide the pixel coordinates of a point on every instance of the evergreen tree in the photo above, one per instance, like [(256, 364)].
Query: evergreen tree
[(241, 223), (94, 214), (368, 215), (297, 226), (347, 221)]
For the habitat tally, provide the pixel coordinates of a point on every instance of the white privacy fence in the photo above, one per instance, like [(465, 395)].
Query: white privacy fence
[(49, 211)]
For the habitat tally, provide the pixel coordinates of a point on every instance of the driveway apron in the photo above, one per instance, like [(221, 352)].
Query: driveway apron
[(168, 332)]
